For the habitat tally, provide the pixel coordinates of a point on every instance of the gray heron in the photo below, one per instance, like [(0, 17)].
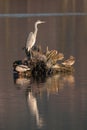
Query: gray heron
[(32, 37)]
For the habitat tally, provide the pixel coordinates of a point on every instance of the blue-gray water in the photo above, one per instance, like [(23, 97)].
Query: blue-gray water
[(59, 101)]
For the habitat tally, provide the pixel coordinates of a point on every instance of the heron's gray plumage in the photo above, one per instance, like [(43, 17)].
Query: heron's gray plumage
[(32, 37)]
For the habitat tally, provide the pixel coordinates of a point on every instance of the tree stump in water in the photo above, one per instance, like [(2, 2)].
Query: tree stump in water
[(43, 64)]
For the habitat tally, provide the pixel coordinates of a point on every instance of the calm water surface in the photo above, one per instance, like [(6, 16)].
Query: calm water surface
[(57, 102)]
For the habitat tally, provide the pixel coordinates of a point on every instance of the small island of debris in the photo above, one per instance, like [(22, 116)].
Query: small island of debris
[(39, 63)]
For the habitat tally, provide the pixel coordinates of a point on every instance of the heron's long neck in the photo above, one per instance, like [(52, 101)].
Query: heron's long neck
[(36, 29)]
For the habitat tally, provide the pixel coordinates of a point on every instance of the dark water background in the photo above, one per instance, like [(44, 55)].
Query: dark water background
[(60, 101)]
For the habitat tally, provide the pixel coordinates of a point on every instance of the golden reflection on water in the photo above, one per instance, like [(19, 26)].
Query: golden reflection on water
[(57, 82), (51, 85)]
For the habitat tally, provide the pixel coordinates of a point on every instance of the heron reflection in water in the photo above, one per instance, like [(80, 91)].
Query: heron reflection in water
[(32, 103), (32, 37)]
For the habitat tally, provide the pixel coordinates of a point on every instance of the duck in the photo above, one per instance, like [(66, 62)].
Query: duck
[(69, 62), (56, 66), (22, 68), (60, 56)]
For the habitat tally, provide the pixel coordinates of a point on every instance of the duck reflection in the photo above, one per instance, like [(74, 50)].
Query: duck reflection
[(57, 82), (51, 85), (32, 103), (69, 79), (21, 81)]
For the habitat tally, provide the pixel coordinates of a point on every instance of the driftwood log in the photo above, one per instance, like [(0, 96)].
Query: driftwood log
[(39, 63)]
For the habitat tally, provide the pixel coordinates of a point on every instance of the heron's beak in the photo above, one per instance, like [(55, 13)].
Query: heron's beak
[(43, 22)]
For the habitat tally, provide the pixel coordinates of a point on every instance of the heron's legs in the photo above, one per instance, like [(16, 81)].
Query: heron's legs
[(30, 54)]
